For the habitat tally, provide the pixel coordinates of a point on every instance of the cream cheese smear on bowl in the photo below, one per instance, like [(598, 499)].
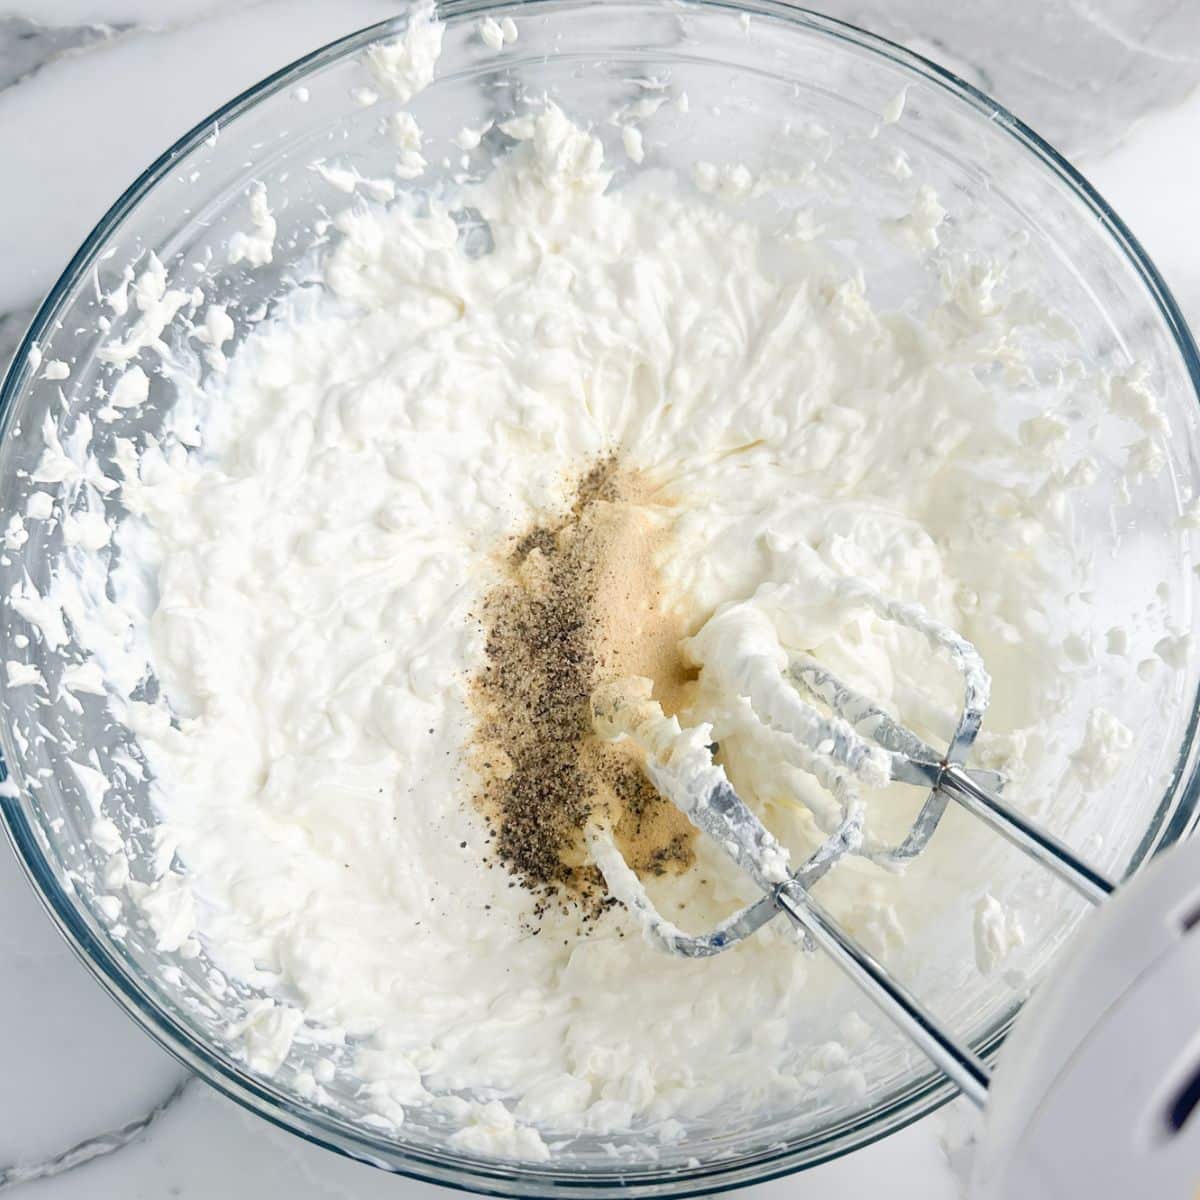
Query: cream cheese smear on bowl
[(417, 515)]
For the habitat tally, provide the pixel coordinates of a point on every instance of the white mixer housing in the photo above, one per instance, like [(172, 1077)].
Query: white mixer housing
[(1097, 1091)]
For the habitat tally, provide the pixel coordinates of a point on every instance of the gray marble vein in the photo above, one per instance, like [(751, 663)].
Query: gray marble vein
[(1081, 72), (98, 1146), (26, 46)]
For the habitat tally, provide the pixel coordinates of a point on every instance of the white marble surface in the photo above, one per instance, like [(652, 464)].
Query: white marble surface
[(90, 92)]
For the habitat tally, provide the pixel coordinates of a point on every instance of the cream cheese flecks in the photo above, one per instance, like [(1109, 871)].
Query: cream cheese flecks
[(256, 247), (406, 65), (497, 34), (997, 933)]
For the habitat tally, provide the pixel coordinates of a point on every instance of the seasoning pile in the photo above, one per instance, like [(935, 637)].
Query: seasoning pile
[(578, 602)]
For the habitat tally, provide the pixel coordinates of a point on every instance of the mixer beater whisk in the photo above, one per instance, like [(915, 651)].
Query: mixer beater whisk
[(843, 739)]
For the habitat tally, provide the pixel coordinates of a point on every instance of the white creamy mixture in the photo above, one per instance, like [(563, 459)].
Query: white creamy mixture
[(317, 554), (318, 562)]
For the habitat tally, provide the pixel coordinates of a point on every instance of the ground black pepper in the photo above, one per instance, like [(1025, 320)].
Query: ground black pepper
[(543, 774)]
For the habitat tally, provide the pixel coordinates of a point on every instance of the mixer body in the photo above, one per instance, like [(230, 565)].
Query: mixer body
[(1097, 1091)]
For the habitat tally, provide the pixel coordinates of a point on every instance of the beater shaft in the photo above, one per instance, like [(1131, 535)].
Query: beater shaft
[(964, 1069), (1040, 845)]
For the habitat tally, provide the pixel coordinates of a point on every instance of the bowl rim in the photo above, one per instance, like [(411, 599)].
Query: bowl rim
[(464, 1171)]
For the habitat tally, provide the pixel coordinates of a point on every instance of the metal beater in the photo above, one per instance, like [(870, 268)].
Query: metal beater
[(846, 741)]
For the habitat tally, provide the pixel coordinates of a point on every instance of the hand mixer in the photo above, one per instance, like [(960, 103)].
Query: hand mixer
[(1101, 1074)]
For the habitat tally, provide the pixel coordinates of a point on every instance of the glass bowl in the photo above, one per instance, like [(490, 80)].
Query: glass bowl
[(766, 80)]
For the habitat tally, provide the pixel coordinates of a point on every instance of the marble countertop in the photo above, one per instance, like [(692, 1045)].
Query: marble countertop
[(90, 92)]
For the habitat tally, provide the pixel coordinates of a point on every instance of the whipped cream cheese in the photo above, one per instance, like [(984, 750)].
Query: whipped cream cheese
[(313, 637), (318, 537)]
